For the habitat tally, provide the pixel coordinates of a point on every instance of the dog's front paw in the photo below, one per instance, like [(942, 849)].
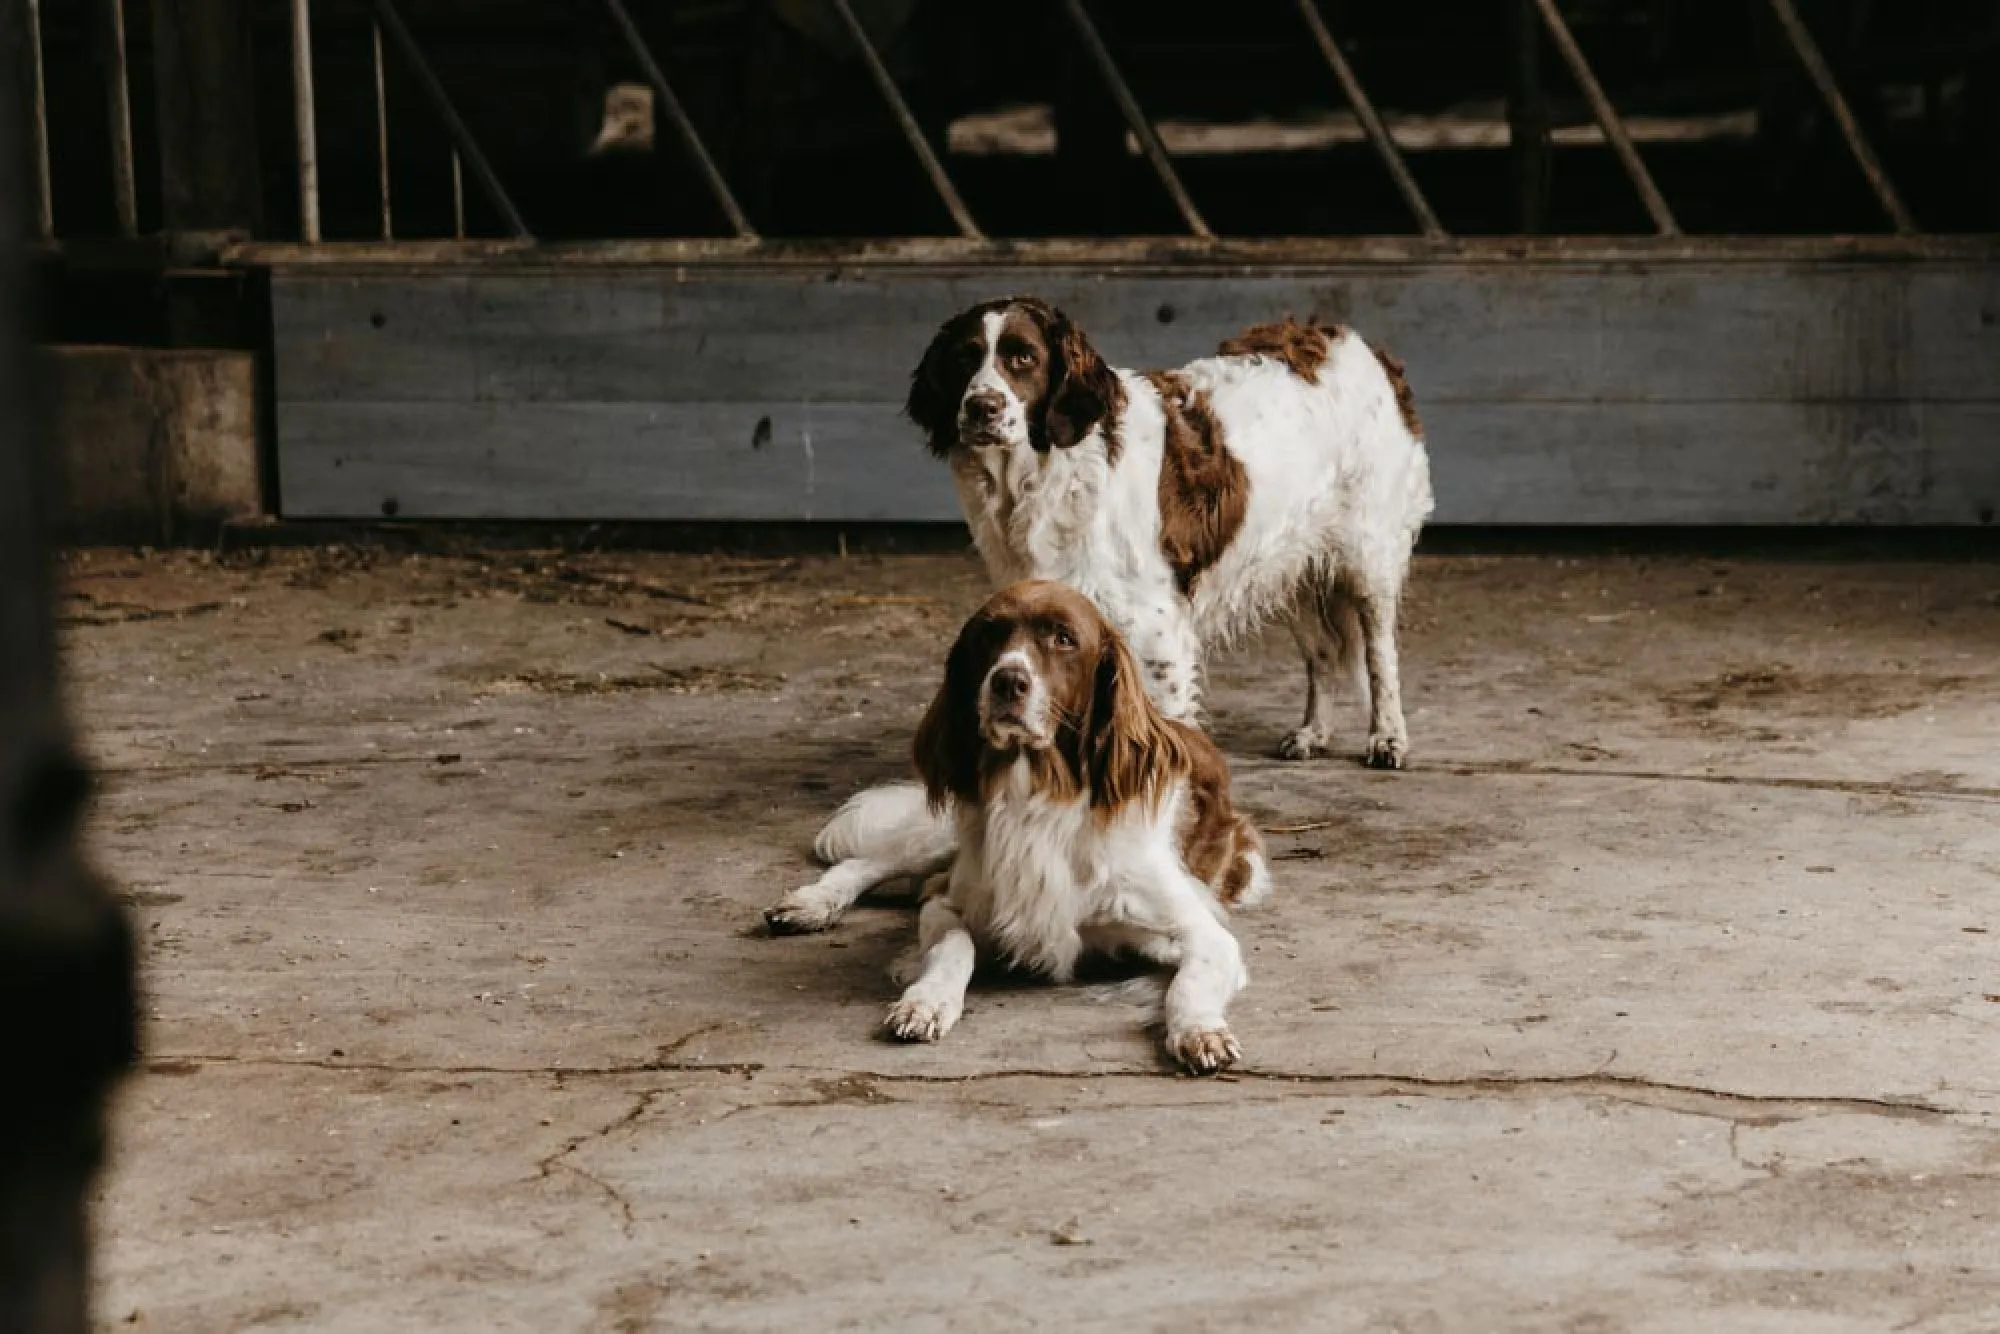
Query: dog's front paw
[(1301, 743), (1387, 751), (915, 1019), (800, 913), (1205, 1051)]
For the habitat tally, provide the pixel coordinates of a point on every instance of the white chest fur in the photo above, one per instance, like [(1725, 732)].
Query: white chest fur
[(1029, 872), (1042, 882)]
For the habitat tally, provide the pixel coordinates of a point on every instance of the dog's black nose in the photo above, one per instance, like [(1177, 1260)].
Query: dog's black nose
[(1009, 685), (982, 409)]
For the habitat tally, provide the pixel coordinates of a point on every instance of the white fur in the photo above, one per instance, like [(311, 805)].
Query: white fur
[(1339, 489), (1041, 882), (1013, 423), (880, 835)]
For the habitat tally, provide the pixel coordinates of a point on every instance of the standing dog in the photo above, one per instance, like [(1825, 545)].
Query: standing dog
[(1087, 822), (1284, 477)]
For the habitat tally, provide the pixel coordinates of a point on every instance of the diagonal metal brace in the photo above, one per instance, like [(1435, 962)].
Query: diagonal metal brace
[(468, 148), (1816, 69), (1371, 123), (1135, 120), (905, 121), (1608, 121), (690, 137)]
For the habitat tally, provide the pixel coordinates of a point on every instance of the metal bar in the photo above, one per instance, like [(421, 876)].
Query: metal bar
[(457, 197), (1816, 69), (1371, 123), (1529, 148), (303, 120), (45, 216), (690, 137), (464, 145), (124, 188), (1608, 121), (382, 136), (906, 122), (1135, 120)]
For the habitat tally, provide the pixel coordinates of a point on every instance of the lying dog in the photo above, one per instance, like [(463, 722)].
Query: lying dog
[(1285, 476), (1087, 822)]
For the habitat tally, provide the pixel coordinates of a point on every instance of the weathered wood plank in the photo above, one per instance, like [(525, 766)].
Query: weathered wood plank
[(1555, 392), (788, 461), (1533, 332), (1510, 463)]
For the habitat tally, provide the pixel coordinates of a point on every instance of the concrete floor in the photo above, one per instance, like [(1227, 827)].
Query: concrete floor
[(1660, 995)]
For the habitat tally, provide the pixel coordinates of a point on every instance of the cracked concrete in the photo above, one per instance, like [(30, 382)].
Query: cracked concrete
[(1661, 994)]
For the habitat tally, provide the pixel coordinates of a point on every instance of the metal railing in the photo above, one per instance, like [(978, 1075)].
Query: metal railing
[(391, 34)]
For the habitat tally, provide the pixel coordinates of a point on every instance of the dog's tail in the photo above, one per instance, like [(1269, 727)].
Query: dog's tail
[(879, 822)]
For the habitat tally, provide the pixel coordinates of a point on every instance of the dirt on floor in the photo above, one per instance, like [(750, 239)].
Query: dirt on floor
[(1661, 993)]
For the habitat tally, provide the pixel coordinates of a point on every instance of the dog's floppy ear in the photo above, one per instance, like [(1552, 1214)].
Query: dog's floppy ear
[(1082, 389), (1130, 747), (947, 746), (934, 398)]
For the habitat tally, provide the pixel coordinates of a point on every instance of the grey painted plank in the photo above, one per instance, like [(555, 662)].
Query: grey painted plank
[(1533, 332), (607, 461), (1501, 463)]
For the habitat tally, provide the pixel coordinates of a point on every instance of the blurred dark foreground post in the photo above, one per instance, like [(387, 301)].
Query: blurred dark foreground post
[(66, 989)]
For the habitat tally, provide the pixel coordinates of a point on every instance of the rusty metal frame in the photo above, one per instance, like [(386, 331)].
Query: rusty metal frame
[(467, 155), (1371, 123), (304, 121), (45, 215), (907, 123), (464, 145), (691, 138), (1608, 121), (382, 132), (1822, 79), (118, 92), (1135, 119)]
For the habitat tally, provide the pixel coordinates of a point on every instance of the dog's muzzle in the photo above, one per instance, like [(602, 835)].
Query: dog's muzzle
[(980, 417), (1009, 705)]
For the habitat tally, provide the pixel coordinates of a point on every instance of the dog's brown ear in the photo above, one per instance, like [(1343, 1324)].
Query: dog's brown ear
[(1083, 391), (1131, 747), (947, 745), (933, 400)]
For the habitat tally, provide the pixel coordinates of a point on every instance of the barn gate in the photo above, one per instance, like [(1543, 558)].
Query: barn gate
[(1648, 261)]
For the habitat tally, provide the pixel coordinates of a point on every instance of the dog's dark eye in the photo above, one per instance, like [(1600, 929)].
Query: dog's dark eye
[(1061, 637), (1022, 360)]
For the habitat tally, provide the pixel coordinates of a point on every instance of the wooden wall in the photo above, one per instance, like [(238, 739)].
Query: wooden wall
[(1554, 392)]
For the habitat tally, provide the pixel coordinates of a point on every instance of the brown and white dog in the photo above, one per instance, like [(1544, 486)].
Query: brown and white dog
[(1284, 477), (1087, 823)]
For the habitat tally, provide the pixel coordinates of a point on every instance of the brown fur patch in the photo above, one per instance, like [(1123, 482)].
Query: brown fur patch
[(1406, 402), (1216, 842), (1303, 348), (1204, 490)]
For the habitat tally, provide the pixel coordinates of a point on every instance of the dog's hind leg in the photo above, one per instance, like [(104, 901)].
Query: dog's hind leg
[(878, 836), (817, 906), (1327, 625)]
